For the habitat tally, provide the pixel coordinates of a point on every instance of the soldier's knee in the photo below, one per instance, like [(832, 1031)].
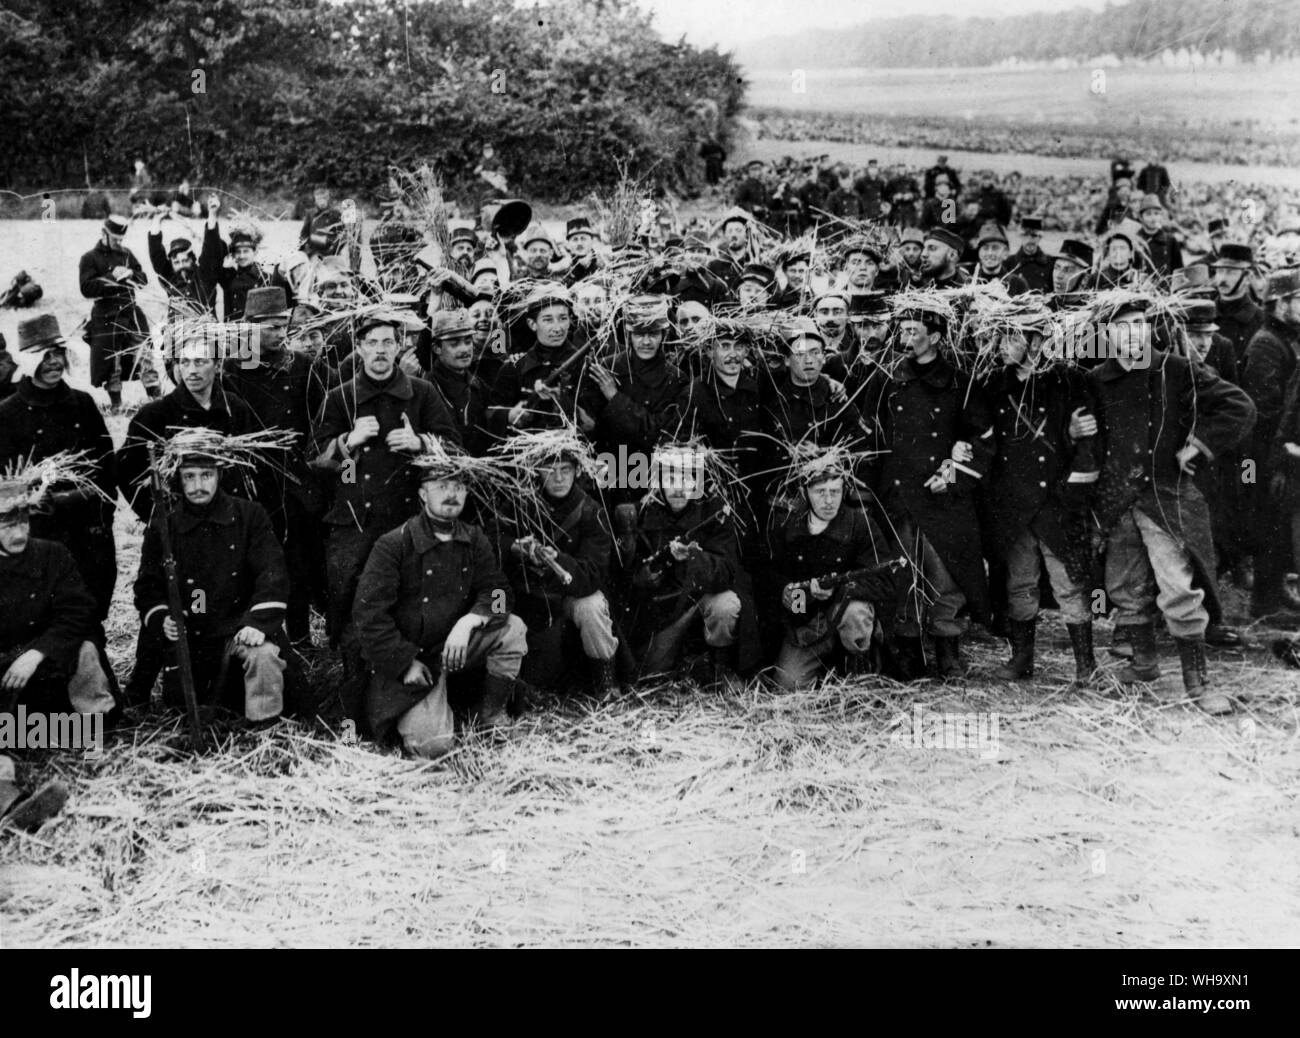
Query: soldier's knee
[(724, 606), (590, 609)]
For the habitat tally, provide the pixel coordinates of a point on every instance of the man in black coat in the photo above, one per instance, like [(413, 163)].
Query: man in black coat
[(373, 425), (937, 435), (433, 601), (825, 536), (284, 389), (118, 331), (521, 396), (464, 393), (1272, 359), (198, 401), (941, 260), (1161, 418), (1162, 247), (234, 590), (242, 274), (685, 574), (48, 658), (188, 294), (577, 542), (1038, 492), (1239, 316), (46, 416), (1030, 261)]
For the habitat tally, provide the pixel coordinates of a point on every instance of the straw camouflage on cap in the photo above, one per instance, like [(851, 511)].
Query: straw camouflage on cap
[(24, 484), (208, 448)]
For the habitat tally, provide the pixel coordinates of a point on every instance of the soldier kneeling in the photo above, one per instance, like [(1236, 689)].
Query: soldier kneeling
[(47, 619), (432, 601), (233, 581), (562, 585), (834, 565), (686, 573)]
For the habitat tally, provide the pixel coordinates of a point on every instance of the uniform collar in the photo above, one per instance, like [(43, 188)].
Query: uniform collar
[(938, 373), (424, 538), (221, 512), (366, 388)]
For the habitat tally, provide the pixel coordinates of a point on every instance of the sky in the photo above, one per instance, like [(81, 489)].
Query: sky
[(729, 23)]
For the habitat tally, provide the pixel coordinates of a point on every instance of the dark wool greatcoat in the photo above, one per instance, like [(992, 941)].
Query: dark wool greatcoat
[(228, 415), (413, 589), (582, 537), (1146, 416), (379, 489), (228, 552), (923, 412), (1041, 479)]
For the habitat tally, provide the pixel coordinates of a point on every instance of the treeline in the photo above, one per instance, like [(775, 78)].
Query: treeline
[(1137, 30), (287, 92)]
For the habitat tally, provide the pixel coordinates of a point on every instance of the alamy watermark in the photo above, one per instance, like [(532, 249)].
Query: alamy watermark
[(935, 730), (38, 730)]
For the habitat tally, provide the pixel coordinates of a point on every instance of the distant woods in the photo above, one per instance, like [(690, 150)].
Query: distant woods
[(1137, 30)]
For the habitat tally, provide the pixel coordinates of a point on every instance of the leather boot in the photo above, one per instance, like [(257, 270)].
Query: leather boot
[(948, 659), (1085, 663), (1145, 665), (1288, 651), (1021, 664), (604, 682), (909, 659), (1196, 678), (1121, 642), (497, 692)]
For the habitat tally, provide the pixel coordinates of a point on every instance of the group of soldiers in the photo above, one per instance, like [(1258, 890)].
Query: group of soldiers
[(753, 454)]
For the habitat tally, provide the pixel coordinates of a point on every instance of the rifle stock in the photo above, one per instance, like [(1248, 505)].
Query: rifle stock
[(175, 607)]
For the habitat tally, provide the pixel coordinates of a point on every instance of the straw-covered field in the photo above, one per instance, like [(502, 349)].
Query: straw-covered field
[(855, 814), (681, 817)]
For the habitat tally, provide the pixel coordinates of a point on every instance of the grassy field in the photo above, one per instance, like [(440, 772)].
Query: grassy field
[(1250, 98), (679, 817)]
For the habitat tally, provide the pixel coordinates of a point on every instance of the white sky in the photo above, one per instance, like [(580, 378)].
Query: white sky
[(731, 22)]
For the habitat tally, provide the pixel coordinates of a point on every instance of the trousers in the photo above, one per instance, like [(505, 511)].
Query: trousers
[(1146, 568), (1022, 582), (720, 614), (947, 600), (428, 728), (797, 665)]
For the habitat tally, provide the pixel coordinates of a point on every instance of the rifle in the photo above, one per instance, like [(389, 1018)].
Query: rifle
[(541, 555), (162, 503), (552, 380), (837, 580), (658, 559)]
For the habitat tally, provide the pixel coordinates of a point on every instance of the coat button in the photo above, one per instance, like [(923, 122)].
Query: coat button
[(1041, 458), (1042, 484)]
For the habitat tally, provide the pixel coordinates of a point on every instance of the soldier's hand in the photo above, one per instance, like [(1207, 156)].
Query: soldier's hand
[(963, 452), (518, 415), (1292, 449), (170, 630), (418, 674), (403, 439), (679, 551), (456, 648), (410, 363), (1185, 458), (21, 670), (585, 422), (1082, 424), (367, 428), (787, 597), (250, 636), (121, 272), (818, 592), (839, 395), (604, 380), (545, 392)]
